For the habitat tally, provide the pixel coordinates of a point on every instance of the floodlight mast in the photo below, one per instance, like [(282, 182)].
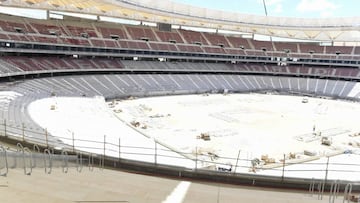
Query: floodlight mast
[(266, 14), (265, 8)]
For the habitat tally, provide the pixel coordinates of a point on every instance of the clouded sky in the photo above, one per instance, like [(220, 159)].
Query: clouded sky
[(288, 8)]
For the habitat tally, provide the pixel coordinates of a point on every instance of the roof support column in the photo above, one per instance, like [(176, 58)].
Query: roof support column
[(47, 14)]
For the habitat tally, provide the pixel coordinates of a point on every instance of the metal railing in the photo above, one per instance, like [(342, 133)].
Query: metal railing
[(334, 191), (156, 154), (65, 161), (3, 156), (26, 157), (23, 157)]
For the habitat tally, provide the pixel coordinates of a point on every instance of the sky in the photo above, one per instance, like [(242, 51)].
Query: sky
[(284, 8)]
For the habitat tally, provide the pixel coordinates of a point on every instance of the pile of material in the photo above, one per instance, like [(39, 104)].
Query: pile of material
[(267, 159), (309, 153), (326, 141), (204, 136), (135, 123)]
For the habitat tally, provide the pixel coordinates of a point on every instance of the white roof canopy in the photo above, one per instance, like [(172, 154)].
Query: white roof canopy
[(165, 11)]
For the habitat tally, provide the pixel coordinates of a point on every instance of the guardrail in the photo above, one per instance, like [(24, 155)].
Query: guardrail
[(106, 151), (23, 157), (4, 161)]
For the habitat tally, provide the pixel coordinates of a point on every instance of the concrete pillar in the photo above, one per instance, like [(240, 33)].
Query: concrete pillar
[(47, 14)]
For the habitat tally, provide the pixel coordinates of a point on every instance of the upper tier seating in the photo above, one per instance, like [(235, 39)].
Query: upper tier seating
[(56, 63), (18, 26), (193, 37), (263, 45), (81, 31), (189, 48), (23, 37), (311, 48), (4, 36), (76, 41), (162, 46), (110, 43), (134, 45), (235, 51), (15, 64), (169, 36), (215, 50), (286, 47), (48, 29), (108, 32), (338, 50), (111, 35), (141, 33), (217, 40), (357, 51), (238, 42)]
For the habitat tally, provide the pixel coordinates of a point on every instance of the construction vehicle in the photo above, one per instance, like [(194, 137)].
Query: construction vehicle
[(326, 141)]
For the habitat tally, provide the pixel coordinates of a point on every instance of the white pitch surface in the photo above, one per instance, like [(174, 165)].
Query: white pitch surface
[(91, 119), (254, 124)]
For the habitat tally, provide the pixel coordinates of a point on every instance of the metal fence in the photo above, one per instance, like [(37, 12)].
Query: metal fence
[(155, 154), (28, 159)]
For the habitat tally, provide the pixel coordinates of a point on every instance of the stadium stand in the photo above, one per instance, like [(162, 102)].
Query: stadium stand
[(88, 58), (357, 51), (238, 42), (141, 33), (111, 32), (311, 48), (47, 27), (235, 51), (217, 40), (193, 37), (263, 45), (118, 36), (123, 85), (338, 50), (24, 63), (286, 47), (189, 48), (15, 26), (213, 50), (254, 65), (133, 44), (162, 46), (18, 64), (169, 36)]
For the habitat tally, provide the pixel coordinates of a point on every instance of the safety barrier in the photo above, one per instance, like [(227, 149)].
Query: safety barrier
[(47, 161), (26, 159), (106, 151), (3, 157), (65, 161), (312, 187), (347, 192), (79, 162), (158, 152), (334, 191), (320, 188), (91, 162), (26, 155)]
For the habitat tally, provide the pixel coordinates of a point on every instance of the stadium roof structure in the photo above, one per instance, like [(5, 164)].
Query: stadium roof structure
[(165, 11)]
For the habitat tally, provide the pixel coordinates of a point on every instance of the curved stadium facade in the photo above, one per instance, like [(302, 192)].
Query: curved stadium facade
[(87, 58)]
